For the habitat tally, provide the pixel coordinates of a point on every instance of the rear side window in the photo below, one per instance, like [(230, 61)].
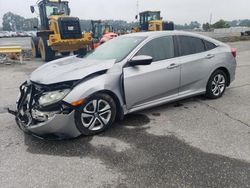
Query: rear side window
[(209, 45), (160, 48), (190, 45)]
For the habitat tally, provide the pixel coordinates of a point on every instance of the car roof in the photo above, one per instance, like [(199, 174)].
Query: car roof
[(153, 34)]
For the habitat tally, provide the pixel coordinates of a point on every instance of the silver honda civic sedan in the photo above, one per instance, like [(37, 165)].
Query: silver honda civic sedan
[(84, 95)]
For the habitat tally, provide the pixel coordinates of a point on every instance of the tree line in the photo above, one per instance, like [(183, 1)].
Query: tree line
[(14, 22), (225, 24)]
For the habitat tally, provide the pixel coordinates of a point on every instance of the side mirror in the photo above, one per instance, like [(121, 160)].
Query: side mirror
[(136, 17), (32, 9), (141, 60)]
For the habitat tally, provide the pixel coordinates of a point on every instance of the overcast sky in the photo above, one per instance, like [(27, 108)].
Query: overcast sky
[(179, 11)]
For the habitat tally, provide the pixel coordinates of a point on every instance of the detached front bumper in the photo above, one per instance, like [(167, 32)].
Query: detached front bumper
[(59, 126), (43, 124)]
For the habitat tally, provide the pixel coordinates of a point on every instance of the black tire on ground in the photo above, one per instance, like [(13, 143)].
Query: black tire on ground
[(82, 52), (99, 118), (216, 85), (34, 47), (47, 53), (65, 53)]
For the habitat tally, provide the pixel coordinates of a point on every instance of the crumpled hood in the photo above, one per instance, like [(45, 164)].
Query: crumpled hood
[(68, 69)]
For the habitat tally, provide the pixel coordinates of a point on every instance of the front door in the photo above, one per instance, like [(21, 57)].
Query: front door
[(147, 83)]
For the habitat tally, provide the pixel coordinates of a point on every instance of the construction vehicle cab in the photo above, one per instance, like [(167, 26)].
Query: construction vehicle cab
[(152, 21), (59, 32), (52, 8), (99, 29), (101, 32)]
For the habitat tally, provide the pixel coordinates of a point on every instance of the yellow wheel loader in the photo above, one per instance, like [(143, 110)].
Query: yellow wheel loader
[(59, 32), (152, 21)]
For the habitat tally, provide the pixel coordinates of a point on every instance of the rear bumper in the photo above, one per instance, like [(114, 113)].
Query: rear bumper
[(232, 71), (68, 44), (65, 45)]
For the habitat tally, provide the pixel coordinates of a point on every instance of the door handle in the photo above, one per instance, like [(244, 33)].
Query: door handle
[(210, 56), (173, 66)]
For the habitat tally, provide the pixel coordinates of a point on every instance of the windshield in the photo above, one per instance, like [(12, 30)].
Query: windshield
[(149, 16), (153, 16), (117, 48), (56, 10)]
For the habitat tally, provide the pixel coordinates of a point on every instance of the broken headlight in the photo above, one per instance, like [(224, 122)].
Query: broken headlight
[(52, 97)]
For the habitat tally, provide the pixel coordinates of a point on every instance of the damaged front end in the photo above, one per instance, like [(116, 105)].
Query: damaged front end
[(42, 112)]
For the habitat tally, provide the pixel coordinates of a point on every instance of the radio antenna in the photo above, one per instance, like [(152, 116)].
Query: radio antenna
[(137, 8)]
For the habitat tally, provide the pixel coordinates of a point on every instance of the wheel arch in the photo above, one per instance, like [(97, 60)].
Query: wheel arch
[(209, 91), (225, 70), (120, 112)]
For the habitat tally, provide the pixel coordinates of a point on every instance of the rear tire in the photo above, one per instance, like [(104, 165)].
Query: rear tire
[(96, 115), (216, 85), (34, 47), (46, 51)]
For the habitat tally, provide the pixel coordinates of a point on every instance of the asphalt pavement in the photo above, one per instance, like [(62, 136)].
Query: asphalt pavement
[(191, 143)]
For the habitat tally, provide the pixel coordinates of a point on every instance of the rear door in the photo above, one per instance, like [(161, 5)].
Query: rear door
[(196, 62), (143, 84)]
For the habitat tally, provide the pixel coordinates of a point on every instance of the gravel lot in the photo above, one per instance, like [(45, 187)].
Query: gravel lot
[(192, 143)]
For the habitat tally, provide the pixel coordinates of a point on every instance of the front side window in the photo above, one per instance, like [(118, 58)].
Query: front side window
[(142, 19), (190, 45), (159, 49)]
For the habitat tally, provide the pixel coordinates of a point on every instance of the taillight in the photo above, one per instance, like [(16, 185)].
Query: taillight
[(234, 52)]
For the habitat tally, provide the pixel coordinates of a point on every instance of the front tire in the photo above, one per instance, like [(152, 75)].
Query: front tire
[(216, 85), (96, 115), (46, 51)]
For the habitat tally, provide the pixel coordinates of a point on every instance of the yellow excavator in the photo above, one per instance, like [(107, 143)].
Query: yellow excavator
[(59, 32), (152, 21)]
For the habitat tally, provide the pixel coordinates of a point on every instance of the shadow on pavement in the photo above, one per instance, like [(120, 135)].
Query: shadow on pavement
[(152, 161)]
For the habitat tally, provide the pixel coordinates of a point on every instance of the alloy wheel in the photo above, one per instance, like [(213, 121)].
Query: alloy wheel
[(218, 84), (96, 114)]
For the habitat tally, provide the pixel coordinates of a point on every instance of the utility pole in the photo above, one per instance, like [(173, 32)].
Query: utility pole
[(211, 17)]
